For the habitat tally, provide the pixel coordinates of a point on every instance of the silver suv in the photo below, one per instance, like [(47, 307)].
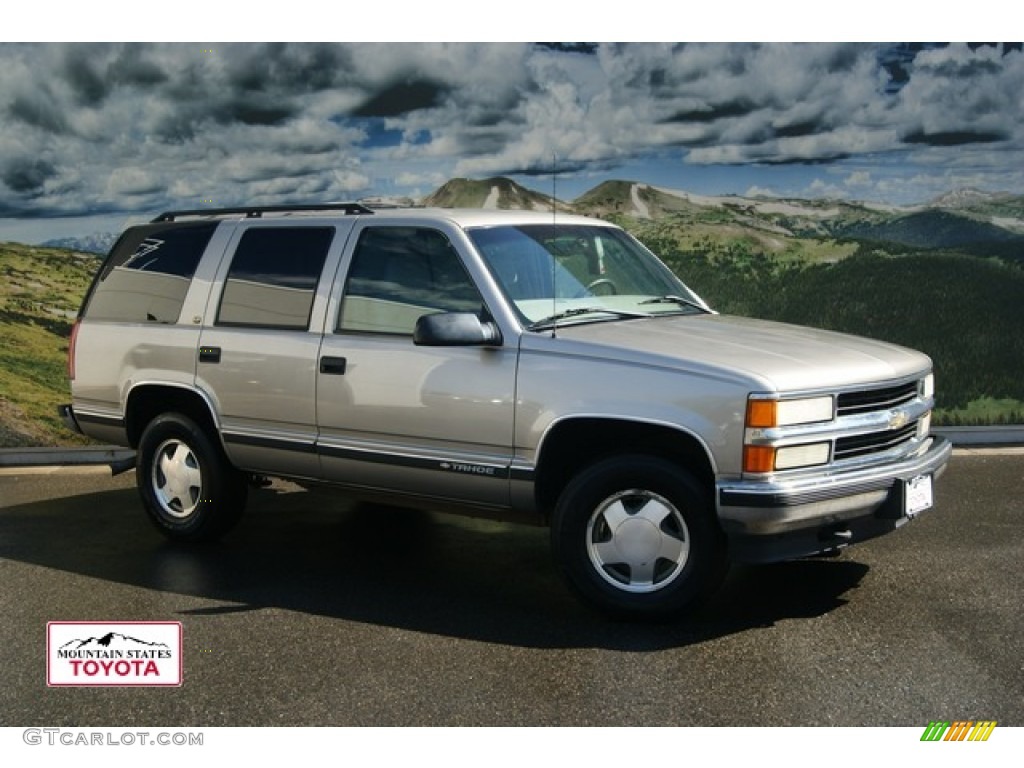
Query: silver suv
[(509, 364)]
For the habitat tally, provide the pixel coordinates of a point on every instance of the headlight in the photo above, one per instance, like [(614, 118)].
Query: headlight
[(795, 456), (765, 414), (924, 427), (763, 458), (928, 386), (769, 413)]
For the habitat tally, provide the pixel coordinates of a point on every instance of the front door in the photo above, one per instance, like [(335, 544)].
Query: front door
[(424, 421)]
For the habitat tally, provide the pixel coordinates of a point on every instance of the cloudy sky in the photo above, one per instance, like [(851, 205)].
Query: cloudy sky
[(95, 134)]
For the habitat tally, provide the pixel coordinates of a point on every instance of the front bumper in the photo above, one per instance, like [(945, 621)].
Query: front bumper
[(780, 519)]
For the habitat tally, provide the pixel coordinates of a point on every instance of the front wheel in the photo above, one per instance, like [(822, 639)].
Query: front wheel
[(189, 489), (635, 537)]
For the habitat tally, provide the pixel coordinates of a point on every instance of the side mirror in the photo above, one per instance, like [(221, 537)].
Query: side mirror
[(454, 329)]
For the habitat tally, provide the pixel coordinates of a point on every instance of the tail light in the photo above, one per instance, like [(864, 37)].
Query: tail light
[(71, 350)]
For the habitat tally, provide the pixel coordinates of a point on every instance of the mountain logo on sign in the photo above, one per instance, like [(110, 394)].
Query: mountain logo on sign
[(109, 641)]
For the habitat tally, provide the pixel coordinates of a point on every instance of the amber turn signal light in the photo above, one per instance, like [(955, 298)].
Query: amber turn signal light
[(758, 458)]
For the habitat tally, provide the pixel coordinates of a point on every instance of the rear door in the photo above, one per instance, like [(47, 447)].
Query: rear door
[(426, 421), (257, 359)]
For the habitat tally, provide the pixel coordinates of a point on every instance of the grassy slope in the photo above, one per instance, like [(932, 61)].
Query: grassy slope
[(40, 292), (720, 233), (961, 310)]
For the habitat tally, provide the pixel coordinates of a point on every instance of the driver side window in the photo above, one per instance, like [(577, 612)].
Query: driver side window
[(399, 274)]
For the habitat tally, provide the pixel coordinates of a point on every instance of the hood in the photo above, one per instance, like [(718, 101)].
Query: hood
[(775, 356)]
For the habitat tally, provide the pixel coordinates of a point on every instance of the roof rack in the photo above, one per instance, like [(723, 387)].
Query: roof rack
[(255, 212)]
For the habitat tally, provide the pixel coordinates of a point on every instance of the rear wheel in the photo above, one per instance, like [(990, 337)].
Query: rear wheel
[(189, 488), (635, 537)]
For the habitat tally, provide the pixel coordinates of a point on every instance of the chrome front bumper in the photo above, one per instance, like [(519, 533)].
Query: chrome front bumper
[(781, 518)]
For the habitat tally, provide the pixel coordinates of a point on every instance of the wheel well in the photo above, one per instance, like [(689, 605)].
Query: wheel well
[(147, 402), (576, 443)]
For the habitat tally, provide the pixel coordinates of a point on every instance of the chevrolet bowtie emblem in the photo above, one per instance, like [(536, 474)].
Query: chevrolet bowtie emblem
[(898, 419)]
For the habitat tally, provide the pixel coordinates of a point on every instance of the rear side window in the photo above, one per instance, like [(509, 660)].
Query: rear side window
[(273, 277), (148, 273)]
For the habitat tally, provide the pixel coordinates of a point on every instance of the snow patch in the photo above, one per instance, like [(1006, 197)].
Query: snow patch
[(1014, 225), (707, 202), (792, 209), (491, 203), (780, 207), (639, 206), (891, 207)]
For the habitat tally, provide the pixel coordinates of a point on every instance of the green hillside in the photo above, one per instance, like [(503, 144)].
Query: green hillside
[(961, 310), (40, 293), (721, 233), (931, 229)]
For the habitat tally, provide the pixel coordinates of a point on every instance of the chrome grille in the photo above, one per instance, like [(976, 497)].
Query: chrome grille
[(866, 401), (876, 442)]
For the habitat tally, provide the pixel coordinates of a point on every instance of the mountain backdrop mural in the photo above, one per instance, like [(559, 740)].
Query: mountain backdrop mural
[(946, 277), (876, 188)]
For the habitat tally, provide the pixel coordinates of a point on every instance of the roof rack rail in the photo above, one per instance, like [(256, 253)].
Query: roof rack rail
[(257, 211)]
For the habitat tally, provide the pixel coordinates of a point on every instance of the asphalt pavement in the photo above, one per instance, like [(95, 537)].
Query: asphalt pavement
[(315, 611)]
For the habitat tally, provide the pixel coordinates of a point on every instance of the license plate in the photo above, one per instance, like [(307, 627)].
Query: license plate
[(918, 495)]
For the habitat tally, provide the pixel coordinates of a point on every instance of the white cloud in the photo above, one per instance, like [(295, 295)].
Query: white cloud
[(858, 180), (122, 126)]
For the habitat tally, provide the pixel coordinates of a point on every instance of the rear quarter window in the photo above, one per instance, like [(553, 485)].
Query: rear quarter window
[(148, 272), (273, 277)]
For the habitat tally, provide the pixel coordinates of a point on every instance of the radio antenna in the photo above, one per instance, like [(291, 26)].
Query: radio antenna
[(554, 271)]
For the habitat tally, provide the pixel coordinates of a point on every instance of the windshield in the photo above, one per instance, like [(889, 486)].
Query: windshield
[(588, 273)]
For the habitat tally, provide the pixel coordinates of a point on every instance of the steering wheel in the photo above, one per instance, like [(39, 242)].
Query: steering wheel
[(603, 282)]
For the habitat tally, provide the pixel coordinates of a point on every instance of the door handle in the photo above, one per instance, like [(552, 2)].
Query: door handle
[(333, 365), (209, 354)]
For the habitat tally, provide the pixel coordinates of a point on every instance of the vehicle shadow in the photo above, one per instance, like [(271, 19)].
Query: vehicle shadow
[(435, 573)]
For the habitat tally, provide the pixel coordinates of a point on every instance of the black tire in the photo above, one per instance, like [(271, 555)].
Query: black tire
[(189, 489), (635, 537)]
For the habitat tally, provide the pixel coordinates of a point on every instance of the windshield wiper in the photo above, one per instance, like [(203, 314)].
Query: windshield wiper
[(551, 320), (673, 299)]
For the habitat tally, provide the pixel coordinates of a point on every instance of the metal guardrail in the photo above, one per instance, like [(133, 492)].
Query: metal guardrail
[(987, 436), (118, 459)]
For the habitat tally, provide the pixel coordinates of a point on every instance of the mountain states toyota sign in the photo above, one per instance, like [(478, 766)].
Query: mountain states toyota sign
[(131, 653)]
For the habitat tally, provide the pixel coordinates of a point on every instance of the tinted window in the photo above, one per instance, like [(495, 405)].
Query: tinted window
[(273, 277), (545, 269), (399, 274), (148, 273)]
